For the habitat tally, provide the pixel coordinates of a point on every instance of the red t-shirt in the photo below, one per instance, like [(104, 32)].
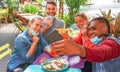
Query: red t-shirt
[(78, 39), (81, 41)]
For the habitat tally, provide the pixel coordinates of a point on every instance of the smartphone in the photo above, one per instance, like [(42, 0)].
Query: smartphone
[(53, 36)]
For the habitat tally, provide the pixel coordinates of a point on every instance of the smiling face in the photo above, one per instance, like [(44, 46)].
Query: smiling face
[(51, 9), (80, 21), (36, 25), (97, 28)]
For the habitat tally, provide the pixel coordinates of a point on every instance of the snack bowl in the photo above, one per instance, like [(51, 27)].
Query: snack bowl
[(55, 65)]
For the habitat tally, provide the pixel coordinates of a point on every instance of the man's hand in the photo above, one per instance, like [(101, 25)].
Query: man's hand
[(48, 22), (68, 47)]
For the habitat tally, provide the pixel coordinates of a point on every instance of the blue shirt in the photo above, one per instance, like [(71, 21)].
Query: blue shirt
[(22, 45)]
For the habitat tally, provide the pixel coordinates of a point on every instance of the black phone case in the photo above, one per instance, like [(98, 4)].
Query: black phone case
[(53, 36)]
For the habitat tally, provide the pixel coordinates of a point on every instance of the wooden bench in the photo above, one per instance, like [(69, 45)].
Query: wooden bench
[(5, 50)]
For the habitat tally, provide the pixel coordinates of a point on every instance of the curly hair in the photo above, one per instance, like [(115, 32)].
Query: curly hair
[(103, 20)]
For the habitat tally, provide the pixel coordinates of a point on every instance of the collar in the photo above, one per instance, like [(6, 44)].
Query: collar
[(27, 35)]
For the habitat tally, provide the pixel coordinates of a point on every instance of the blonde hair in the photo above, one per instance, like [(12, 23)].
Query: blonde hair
[(34, 18)]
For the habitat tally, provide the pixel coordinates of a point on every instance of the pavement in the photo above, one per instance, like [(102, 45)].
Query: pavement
[(6, 36)]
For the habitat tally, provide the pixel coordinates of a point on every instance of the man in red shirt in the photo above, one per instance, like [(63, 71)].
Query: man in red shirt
[(104, 52)]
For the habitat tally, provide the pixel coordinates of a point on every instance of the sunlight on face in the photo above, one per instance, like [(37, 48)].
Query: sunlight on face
[(36, 25), (80, 21), (95, 28), (51, 9)]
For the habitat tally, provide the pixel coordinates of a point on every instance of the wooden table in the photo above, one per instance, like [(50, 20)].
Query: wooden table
[(24, 17)]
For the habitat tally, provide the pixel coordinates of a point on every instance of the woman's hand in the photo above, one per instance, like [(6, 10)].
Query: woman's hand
[(84, 33), (33, 46), (35, 39)]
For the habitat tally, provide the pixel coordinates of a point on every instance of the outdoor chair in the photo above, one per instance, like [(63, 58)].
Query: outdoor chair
[(4, 15), (19, 26), (5, 50)]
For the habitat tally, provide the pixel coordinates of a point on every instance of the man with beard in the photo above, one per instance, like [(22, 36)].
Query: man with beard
[(50, 21), (102, 48)]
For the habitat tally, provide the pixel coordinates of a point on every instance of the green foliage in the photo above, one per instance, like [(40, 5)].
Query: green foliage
[(29, 8), (42, 13), (73, 7), (12, 5), (67, 20), (61, 1), (0, 7), (40, 1), (107, 15)]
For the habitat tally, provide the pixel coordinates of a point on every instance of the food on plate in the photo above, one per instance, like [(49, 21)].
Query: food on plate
[(55, 64)]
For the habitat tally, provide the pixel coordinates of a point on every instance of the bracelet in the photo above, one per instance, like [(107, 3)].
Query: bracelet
[(33, 44)]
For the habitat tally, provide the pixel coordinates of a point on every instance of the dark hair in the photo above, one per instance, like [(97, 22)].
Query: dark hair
[(51, 2), (103, 20), (82, 15)]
